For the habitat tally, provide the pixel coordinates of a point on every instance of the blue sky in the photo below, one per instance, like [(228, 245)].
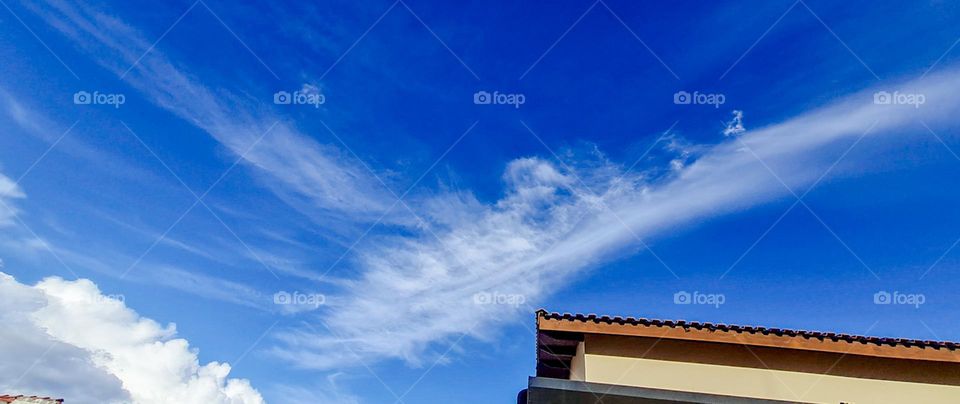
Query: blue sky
[(401, 206)]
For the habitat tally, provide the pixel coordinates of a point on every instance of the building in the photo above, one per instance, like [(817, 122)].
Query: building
[(614, 360), (20, 399)]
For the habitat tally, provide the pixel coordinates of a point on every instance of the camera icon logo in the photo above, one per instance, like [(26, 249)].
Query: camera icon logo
[(682, 297), (482, 98), (682, 98), (282, 98), (882, 98), (483, 298), (82, 98), (882, 297), (281, 297)]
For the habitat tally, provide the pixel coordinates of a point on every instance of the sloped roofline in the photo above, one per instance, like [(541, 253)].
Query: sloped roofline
[(898, 348)]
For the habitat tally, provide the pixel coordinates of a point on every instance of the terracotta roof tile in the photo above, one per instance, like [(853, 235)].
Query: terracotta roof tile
[(749, 329)]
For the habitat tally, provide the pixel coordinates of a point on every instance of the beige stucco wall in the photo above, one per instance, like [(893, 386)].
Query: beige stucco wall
[(848, 364), (763, 372), (759, 383)]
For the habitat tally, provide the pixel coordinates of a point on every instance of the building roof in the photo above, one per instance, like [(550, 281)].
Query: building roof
[(29, 399), (559, 333)]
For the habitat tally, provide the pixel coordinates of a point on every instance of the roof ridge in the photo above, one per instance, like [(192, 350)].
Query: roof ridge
[(893, 341)]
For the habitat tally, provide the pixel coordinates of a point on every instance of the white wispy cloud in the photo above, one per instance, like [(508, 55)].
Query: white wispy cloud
[(319, 179), (67, 339), (64, 138), (328, 392), (206, 287), (187, 279), (9, 192), (735, 126), (554, 221), (559, 219)]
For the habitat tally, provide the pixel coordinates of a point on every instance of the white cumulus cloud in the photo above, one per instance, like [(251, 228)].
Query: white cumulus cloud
[(66, 339)]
